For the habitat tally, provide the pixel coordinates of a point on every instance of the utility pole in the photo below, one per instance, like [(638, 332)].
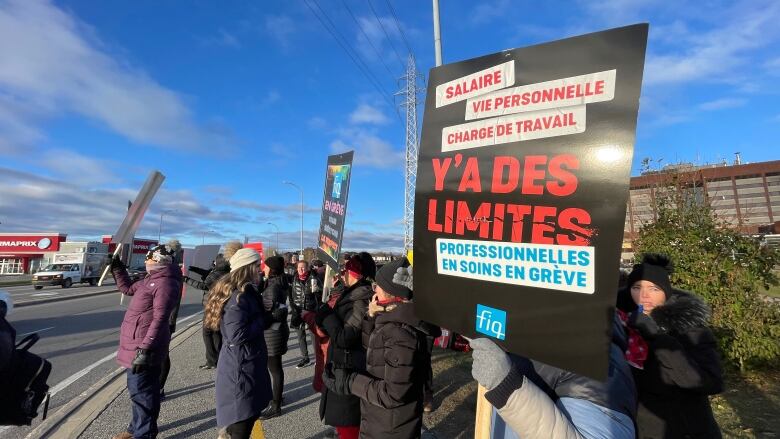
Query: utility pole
[(436, 33), (409, 93)]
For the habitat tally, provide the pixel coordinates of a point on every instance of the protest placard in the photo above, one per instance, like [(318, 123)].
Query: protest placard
[(521, 194), (334, 208)]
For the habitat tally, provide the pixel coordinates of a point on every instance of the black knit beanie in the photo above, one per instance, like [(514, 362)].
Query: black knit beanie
[(654, 268), (384, 277), (276, 264)]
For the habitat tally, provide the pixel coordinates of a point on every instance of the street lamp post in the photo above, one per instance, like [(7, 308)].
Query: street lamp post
[(159, 231), (277, 236), (301, 190)]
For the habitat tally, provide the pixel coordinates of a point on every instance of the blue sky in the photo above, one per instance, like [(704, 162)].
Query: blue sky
[(228, 99)]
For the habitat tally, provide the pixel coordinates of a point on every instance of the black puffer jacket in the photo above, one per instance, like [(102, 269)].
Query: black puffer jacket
[(681, 371), (278, 332), (391, 402), (305, 294), (344, 326)]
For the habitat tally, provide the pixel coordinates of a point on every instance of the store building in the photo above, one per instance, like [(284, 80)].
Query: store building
[(25, 253)]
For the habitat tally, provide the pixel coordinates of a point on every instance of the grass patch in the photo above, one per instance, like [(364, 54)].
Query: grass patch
[(749, 408), (773, 291)]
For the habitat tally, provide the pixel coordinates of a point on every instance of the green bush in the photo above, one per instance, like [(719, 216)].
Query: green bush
[(727, 269)]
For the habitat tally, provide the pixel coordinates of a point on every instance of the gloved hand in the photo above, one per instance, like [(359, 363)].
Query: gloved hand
[(295, 320), (403, 277), (279, 314), (117, 264), (323, 311), (491, 364), (338, 381), (142, 360), (643, 323)]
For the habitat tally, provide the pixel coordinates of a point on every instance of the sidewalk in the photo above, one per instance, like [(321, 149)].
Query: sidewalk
[(188, 410)]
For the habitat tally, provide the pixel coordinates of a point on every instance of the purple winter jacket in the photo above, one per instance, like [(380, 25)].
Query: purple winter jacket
[(145, 325)]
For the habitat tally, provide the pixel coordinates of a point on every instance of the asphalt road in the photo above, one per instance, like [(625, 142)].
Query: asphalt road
[(79, 337), (23, 293)]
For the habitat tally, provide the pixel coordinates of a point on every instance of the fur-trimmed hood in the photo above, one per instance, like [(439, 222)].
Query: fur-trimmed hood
[(681, 313)]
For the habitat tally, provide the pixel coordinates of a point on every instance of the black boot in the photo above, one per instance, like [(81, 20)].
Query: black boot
[(272, 411)]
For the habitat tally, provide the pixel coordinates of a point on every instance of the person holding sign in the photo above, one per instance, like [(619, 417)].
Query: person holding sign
[(391, 388), (673, 354), (145, 334), (343, 323), (243, 387), (537, 400)]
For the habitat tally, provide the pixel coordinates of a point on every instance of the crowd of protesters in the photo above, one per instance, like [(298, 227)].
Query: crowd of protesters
[(372, 354)]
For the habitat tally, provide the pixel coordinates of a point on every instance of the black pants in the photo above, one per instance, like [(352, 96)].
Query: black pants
[(302, 342), (213, 341), (242, 429), (277, 377), (428, 387), (165, 369), (144, 389)]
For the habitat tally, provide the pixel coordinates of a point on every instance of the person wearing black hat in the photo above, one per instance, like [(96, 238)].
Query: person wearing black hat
[(342, 323), (391, 388), (276, 336), (673, 354)]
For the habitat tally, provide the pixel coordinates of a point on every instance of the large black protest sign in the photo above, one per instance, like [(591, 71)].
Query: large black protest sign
[(334, 207), (521, 194)]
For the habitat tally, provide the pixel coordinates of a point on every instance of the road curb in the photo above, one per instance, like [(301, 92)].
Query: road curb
[(74, 417), (61, 298)]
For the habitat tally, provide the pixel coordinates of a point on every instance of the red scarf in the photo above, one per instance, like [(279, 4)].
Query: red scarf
[(390, 301), (637, 350)]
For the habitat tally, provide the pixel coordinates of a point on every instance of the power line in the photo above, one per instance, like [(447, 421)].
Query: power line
[(346, 47), (398, 25), (389, 40), (378, 55)]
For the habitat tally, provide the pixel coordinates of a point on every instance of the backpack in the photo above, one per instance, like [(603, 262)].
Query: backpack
[(25, 386)]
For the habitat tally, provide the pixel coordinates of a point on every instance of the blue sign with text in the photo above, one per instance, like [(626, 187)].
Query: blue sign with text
[(491, 321)]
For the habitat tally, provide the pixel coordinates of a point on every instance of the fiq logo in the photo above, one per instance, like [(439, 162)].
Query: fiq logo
[(491, 321), (337, 185)]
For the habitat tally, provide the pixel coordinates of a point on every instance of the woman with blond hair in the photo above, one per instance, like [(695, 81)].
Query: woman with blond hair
[(243, 387)]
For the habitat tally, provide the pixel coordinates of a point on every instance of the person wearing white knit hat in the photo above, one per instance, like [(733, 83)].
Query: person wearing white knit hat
[(243, 386)]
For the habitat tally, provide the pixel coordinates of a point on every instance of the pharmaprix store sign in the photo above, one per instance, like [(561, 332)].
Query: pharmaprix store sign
[(30, 243)]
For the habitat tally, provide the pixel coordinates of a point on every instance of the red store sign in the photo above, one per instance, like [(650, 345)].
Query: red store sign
[(30, 243)]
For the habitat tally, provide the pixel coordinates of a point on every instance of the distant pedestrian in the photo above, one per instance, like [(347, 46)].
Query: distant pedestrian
[(243, 387), (305, 295), (673, 353), (212, 338), (145, 335), (391, 388), (343, 323), (278, 333)]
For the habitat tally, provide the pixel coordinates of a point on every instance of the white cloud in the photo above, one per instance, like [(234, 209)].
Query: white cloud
[(719, 54), (53, 64), (223, 38), (77, 168), (368, 114), (370, 150), (80, 210), (486, 11), (377, 45), (317, 122), (723, 103), (280, 28)]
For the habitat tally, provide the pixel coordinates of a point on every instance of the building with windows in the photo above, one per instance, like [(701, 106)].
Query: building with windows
[(746, 196), (22, 253)]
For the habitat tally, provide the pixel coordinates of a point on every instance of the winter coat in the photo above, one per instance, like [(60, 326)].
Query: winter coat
[(344, 327), (278, 333), (7, 346), (145, 325), (525, 398), (391, 403), (305, 294), (681, 371), (216, 274), (243, 386), (321, 342)]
